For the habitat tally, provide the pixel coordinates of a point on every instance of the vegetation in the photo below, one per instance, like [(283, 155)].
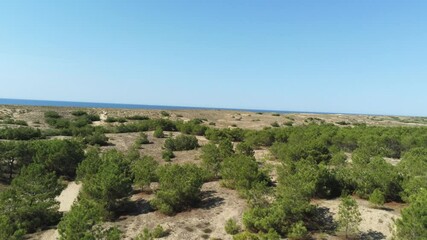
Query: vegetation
[(316, 160), (413, 224), (231, 227), (181, 143), (159, 133), (29, 203), (179, 188), (349, 216), (144, 171)]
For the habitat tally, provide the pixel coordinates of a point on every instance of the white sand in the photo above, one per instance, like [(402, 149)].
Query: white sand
[(68, 196)]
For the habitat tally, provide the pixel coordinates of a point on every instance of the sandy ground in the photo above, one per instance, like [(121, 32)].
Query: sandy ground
[(68, 196), (203, 222), (374, 221)]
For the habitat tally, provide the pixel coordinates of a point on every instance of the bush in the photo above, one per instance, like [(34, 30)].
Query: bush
[(298, 231), (111, 183), (137, 117), (275, 124), (377, 198), (181, 143), (179, 188), (115, 119), (231, 227), (143, 139), (78, 113), (164, 114), (245, 149), (29, 203), (20, 133), (144, 171), (97, 138), (413, 223), (159, 232), (167, 155), (158, 133), (52, 114), (241, 172), (211, 159)]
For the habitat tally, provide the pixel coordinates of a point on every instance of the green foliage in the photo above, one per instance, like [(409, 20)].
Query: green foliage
[(211, 159), (181, 143), (192, 127), (231, 227), (78, 113), (144, 171), (137, 117), (20, 133), (271, 235), (61, 156), (111, 184), (167, 155), (29, 203), (52, 114), (377, 198), (159, 133), (78, 223), (90, 165), (225, 148), (97, 138), (275, 124), (414, 170), (115, 119), (349, 216), (245, 149), (143, 139), (376, 174), (298, 231), (413, 224), (241, 172), (14, 155), (164, 114), (14, 122), (157, 232), (179, 188)]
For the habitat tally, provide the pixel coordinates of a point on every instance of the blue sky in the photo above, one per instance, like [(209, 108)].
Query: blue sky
[(354, 56)]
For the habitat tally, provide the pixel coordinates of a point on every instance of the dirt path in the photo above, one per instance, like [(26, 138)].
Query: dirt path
[(68, 196)]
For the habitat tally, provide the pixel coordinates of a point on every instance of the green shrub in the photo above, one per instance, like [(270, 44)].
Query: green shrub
[(143, 139), (275, 114), (167, 155), (241, 172), (137, 117), (245, 149), (181, 143), (164, 114), (298, 231), (159, 232), (78, 113), (179, 188), (20, 133), (412, 224), (275, 124), (144, 171), (231, 227), (52, 114), (158, 133), (377, 198)]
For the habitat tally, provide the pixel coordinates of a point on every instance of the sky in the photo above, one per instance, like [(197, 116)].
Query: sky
[(346, 56)]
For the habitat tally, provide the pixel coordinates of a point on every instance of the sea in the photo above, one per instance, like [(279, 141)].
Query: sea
[(26, 102)]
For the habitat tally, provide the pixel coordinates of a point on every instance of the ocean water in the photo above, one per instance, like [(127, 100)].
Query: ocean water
[(8, 101)]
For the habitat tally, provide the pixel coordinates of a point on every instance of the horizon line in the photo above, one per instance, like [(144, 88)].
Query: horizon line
[(84, 104)]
